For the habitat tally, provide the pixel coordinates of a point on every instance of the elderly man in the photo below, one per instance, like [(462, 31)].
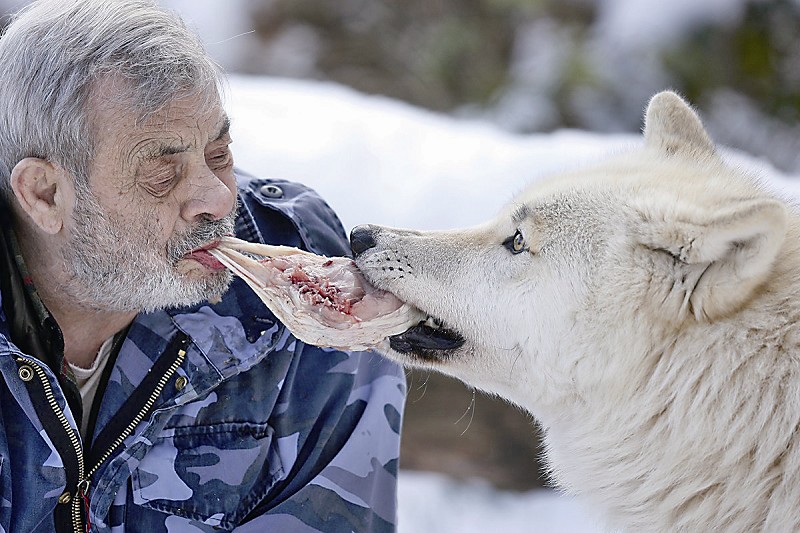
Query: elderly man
[(142, 389)]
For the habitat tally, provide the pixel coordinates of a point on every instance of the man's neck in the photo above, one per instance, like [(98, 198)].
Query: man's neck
[(85, 332)]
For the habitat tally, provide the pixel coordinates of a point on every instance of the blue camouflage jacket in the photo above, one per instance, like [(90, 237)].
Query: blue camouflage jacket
[(213, 418)]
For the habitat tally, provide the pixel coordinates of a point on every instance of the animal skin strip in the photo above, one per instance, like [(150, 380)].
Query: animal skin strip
[(324, 301)]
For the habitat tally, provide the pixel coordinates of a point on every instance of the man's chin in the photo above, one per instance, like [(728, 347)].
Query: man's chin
[(196, 289), (215, 285)]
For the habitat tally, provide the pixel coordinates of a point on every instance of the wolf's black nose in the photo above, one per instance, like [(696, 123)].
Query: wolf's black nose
[(362, 238)]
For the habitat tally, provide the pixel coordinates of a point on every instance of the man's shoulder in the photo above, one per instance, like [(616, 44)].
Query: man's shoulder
[(288, 212)]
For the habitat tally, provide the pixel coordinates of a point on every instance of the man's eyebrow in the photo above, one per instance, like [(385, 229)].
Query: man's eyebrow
[(157, 149), (224, 128)]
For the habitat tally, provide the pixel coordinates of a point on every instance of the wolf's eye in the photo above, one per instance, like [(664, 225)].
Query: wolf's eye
[(516, 243)]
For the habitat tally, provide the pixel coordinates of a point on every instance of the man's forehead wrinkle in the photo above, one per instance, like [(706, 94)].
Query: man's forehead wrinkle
[(175, 129)]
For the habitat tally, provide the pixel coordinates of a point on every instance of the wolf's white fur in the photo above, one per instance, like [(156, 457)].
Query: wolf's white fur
[(652, 326)]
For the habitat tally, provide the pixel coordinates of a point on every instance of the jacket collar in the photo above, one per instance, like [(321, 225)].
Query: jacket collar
[(25, 319)]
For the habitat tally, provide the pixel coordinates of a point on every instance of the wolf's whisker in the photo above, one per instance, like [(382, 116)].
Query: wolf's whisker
[(422, 387), (514, 362), (470, 409)]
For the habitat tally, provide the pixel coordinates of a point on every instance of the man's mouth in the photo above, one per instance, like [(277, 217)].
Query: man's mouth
[(202, 256), (428, 340)]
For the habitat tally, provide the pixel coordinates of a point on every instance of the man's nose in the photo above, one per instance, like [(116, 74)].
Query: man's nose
[(209, 197)]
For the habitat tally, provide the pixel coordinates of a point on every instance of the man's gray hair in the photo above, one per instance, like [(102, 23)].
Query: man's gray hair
[(54, 51)]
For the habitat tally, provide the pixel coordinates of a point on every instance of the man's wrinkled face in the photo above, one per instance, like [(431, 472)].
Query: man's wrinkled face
[(158, 190)]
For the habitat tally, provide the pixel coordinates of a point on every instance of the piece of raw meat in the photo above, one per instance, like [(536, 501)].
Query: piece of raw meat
[(324, 301)]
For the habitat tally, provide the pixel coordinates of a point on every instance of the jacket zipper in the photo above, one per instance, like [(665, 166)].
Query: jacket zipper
[(84, 478), (71, 434)]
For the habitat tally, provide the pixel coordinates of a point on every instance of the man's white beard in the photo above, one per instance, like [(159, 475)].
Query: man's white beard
[(117, 265)]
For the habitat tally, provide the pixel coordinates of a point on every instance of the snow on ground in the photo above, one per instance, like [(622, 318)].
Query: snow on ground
[(380, 161), (432, 503)]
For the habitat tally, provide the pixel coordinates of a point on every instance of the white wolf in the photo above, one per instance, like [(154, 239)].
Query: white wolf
[(646, 311)]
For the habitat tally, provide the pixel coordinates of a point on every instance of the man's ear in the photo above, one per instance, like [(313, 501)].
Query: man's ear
[(40, 188), (717, 260)]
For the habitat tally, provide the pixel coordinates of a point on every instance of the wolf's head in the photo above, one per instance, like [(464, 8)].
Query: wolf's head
[(584, 274)]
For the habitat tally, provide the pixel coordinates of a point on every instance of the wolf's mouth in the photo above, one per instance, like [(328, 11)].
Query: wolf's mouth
[(428, 339)]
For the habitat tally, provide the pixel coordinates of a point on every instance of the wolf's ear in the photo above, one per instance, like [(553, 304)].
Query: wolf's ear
[(718, 260), (672, 126)]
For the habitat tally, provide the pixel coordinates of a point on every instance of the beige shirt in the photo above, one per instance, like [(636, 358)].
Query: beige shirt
[(88, 379)]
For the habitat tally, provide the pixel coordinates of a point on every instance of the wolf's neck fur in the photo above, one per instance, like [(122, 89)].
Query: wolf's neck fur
[(652, 463)]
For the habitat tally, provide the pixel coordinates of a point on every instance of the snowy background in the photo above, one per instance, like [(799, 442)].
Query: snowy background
[(479, 99)]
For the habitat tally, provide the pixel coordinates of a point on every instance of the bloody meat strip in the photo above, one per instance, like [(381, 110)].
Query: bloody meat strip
[(323, 301), (316, 286)]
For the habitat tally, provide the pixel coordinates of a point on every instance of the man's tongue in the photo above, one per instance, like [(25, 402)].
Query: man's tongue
[(206, 259)]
